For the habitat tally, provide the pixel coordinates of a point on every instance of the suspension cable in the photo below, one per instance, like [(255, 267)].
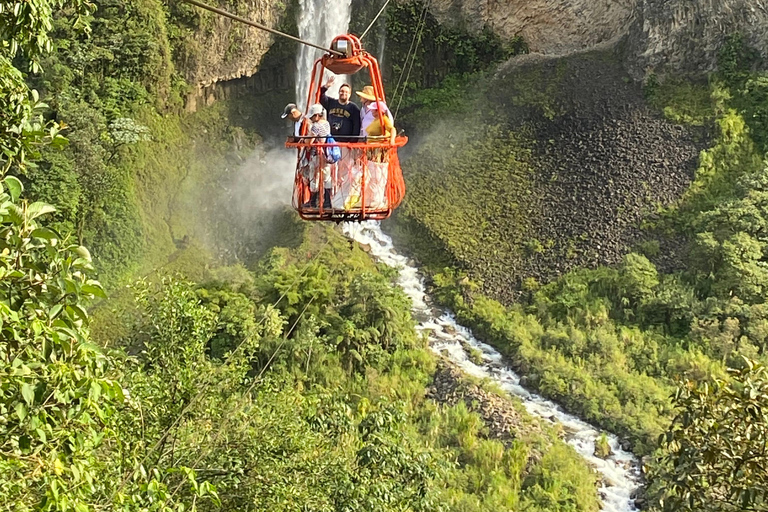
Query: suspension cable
[(408, 55), (374, 19), (256, 380), (417, 38), (259, 26)]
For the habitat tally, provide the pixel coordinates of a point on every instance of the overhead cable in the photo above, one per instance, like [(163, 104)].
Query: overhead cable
[(224, 13), (374, 19)]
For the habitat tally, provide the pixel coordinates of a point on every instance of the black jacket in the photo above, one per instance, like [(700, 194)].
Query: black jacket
[(344, 119)]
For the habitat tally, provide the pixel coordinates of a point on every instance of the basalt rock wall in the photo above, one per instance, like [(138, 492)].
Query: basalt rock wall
[(222, 50), (683, 36), (678, 36)]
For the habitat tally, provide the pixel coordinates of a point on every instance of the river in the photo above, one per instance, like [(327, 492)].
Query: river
[(621, 471)]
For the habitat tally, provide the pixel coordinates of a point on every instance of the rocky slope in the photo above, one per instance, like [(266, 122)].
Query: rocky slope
[(583, 162), (503, 421)]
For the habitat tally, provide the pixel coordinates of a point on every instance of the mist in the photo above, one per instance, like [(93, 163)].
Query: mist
[(252, 206)]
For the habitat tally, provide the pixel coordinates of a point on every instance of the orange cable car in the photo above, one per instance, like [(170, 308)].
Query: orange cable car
[(367, 182)]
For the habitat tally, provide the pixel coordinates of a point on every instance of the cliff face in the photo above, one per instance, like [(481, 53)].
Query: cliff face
[(222, 49), (548, 26), (662, 35), (684, 35)]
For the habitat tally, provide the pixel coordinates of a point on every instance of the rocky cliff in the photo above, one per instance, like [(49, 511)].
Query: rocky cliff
[(661, 35), (221, 49), (684, 35), (548, 26)]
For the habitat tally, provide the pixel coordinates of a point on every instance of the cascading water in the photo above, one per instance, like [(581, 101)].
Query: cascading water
[(319, 22), (621, 473)]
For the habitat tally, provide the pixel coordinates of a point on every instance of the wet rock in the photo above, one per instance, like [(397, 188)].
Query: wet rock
[(626, 445)]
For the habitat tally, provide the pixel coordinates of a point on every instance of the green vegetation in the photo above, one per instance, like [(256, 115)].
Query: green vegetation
[(496, 162), (127, 183), (715, 453), (612, 344), (301, 383), (681, 101), (440, 51)]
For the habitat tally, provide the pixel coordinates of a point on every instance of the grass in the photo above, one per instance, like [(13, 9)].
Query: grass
[(681, 101)]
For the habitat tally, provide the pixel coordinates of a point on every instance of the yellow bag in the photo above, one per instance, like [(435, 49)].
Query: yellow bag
[(374, 129)]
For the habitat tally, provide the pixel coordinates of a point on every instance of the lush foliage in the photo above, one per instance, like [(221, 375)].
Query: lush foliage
[(300, 386), (716, 456), (421, 53), (55, 392)]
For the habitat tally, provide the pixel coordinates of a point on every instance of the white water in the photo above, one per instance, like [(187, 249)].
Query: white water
[(621, 474), (319, 22)]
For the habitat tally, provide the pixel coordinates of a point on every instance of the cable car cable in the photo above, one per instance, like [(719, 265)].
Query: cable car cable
[(374, 19), (413, 60), (226, 14), (411, 54)]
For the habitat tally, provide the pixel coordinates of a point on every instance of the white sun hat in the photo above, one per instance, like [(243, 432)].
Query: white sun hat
[(316, 109)]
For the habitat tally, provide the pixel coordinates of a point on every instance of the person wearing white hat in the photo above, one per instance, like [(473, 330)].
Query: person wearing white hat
[(321, 129)]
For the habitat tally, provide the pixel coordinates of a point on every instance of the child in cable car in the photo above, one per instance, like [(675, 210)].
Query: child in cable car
[(320, 168)]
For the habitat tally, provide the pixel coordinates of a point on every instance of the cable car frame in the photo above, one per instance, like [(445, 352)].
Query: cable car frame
[(358, 190)]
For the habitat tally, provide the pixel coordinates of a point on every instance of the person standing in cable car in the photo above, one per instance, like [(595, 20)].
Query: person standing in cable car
[(300, 123), (343, 115), (320, 167), (370, 125)]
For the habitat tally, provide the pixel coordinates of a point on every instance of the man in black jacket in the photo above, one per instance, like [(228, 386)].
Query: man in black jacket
[(343, 115)]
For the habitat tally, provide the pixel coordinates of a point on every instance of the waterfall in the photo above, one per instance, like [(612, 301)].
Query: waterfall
[(319, 22)]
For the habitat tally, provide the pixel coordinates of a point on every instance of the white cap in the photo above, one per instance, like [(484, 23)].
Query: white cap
[(316, 109)]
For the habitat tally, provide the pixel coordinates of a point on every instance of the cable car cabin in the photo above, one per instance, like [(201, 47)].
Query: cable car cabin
[(366, 182)]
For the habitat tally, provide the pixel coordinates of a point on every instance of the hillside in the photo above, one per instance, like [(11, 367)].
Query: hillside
[(554, 166), (606, 236)]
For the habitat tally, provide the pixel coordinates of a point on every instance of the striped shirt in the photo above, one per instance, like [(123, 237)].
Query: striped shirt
[(320, 129)]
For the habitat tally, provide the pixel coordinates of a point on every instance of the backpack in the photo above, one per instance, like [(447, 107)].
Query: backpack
[(332, 153)]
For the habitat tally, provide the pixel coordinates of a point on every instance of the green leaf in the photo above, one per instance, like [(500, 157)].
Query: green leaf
[(28, 392), (45, 233), (21, 411), (38, 208), (79, 311), (14, 187), (83, 253), (95, 289), (55, 310)]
